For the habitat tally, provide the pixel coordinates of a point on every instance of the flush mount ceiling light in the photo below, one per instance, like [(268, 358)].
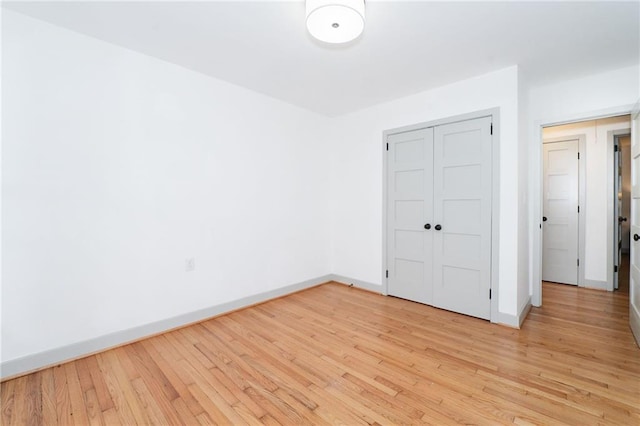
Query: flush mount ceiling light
[(335, 21)]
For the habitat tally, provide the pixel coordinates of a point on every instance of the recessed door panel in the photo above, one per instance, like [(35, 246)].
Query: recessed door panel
[(409, 245), (409, 184), (410, 150), (409, 278), (462, 179), (461, 216), (408, 214), (464, 246), (461, 147)]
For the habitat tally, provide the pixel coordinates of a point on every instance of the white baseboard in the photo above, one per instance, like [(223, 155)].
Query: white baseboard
[(52, 357), (515, 321), (24, 365), (376, 288), (596, 284), (524, 311), (508, 319)]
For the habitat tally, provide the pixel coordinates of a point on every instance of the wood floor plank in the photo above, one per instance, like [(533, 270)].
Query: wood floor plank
[(149, 370), (339, 355), (178, 378), (76, 396), (212, 411), (34, 399), (99, 384), (84, 374), (19, 415), (62, 398), (107, 361), (183, 412), (6, 399), (48, 390), (94, 413), (151, 404), (111, 417), (222, 398)]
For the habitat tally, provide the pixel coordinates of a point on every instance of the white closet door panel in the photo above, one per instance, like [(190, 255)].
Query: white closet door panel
[(410, 191), (462, 208)]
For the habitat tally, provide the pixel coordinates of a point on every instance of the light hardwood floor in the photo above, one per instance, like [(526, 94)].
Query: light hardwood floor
[(334, 354)]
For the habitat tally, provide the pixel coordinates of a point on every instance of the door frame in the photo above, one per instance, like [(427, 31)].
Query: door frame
[(612, 221), (535, 186), (582, 199), (634, 311), (494, 113)]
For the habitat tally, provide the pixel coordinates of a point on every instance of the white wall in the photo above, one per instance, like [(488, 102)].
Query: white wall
[(357, 174), (584, 98), (117, 167), (598, 95), (524, 273), (1, 138)]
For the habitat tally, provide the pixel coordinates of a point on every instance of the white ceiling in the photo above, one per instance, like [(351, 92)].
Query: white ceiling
[(407, 47)]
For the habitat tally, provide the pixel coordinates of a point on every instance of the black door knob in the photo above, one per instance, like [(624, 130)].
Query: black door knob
[(636, 237), (544, 218), (438, 227), (622, 219), (427, 226)]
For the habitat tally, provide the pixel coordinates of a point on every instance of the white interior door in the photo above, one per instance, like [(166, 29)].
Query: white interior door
[(560, 212), (462, 216), (410, 210), (634, 275)]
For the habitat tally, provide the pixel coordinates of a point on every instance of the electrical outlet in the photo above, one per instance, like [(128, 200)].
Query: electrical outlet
[(190, 264)]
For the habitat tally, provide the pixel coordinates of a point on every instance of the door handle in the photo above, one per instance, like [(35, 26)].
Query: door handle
[(438, 227), (622, 219), (427, 226), (636, 237), (544, 218)]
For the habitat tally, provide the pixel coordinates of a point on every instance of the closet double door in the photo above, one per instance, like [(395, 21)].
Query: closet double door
[(439, 185)]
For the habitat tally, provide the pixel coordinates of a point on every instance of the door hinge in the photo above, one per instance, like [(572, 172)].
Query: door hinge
[(491, 130), (615, 148), (387, 273), (578, 156), (578, 209), (489, 294), (578, 262), (615, 268), (387, 146)]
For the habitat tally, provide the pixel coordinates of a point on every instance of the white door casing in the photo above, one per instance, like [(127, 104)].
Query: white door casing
[(560, 212), (617, 213), (409, 209), (634, 260)]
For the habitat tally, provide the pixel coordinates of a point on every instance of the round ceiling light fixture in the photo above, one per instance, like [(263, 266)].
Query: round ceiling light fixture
[(335, 21)]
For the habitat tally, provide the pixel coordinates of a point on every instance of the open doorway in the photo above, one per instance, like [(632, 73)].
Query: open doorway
[(579, 205), (622, 211)]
